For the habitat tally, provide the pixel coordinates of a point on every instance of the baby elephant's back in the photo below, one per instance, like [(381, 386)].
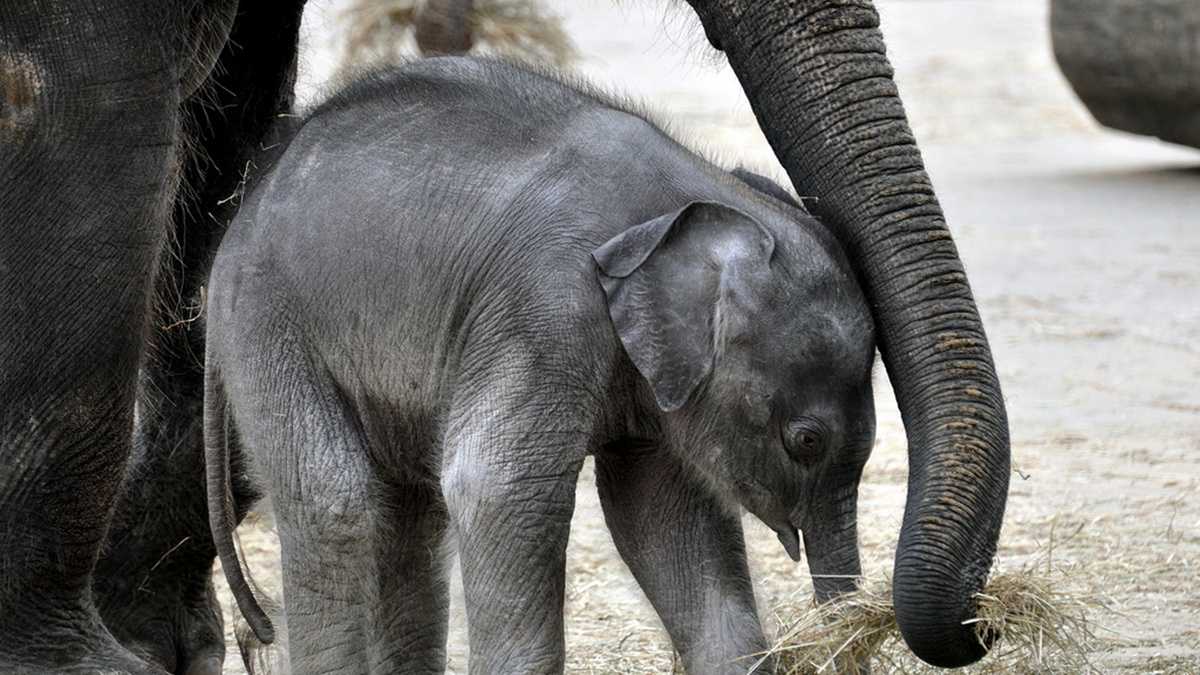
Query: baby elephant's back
[(406, 196), (397, 157)]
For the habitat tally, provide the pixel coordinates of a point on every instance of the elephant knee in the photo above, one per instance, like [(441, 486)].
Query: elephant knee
[(328, 517), (466, 490), (478, 492)]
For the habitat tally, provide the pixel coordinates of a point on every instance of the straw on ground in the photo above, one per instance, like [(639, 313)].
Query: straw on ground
[(1039, 612)]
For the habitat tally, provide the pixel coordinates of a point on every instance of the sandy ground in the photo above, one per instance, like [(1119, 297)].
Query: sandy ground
[(1084, 253)]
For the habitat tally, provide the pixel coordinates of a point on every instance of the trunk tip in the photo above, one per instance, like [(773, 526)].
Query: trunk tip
[(936, 630)]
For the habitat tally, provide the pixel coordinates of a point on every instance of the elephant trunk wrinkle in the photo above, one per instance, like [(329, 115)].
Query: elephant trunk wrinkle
[(822, 89)]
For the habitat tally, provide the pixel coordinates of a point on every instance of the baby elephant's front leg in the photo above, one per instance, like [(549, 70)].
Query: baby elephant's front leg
[(686, 551), (511, 494)]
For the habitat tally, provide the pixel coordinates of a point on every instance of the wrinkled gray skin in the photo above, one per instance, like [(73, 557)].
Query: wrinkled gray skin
[(108, 107), (461, 279)]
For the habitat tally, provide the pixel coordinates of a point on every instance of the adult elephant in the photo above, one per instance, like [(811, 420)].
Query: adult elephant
[(106, 108), (126, 131)]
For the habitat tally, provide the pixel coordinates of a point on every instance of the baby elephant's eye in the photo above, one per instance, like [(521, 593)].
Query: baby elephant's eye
[(804, 439)]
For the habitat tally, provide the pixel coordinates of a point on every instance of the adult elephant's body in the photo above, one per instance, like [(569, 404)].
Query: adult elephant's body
[(91, 148), (106, 108), (1133, 63)]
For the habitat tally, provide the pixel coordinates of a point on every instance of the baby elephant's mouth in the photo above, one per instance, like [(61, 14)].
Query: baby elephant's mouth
[(754, 494), (789, 536)]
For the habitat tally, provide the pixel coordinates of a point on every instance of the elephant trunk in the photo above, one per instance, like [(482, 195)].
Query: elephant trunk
[(821, 86)]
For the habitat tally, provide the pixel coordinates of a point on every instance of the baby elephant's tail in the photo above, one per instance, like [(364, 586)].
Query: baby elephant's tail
[(220, 502), (259, 658)]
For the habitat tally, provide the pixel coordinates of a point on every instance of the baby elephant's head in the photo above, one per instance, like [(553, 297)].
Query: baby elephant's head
[(757, 343)]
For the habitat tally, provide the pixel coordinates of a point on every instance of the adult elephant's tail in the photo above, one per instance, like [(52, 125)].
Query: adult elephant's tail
[(220, 502)]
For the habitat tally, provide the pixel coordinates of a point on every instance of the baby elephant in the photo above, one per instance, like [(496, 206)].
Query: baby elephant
[(462, 278)]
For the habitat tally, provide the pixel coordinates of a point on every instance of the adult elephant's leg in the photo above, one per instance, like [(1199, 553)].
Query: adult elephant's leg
[(687, 553), (89, 137), (153, 584)]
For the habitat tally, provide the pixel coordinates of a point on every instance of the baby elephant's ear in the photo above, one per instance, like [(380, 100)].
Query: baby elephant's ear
[(767, 187), (664, 280)]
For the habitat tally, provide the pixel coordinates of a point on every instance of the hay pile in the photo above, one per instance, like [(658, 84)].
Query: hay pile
[(1039, 613), (381, 31)]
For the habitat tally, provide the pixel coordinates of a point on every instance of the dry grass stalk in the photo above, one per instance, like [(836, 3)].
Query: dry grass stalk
[(381, 31), (1041, 616)]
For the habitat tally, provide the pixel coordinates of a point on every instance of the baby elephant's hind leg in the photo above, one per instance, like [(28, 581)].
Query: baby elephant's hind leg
[(318, 470), (409, 593)]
